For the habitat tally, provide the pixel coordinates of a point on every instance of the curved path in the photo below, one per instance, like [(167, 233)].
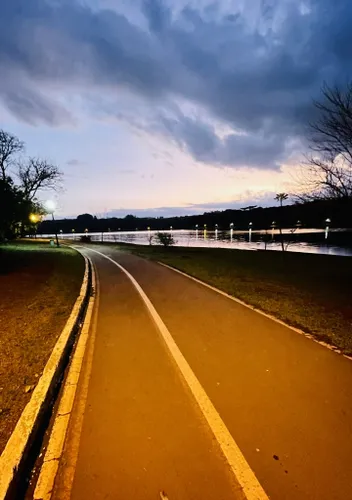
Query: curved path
[(137, 432)]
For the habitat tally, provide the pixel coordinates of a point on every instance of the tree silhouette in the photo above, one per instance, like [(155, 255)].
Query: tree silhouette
[(10, 145), (36, 174), (327, 172), (281, 197)]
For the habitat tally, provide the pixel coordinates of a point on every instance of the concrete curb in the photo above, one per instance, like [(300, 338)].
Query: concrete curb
[(18, 453)]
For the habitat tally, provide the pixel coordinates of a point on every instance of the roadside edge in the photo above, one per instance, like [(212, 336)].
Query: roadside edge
[(50, 466), (331, 347), (17, 454)]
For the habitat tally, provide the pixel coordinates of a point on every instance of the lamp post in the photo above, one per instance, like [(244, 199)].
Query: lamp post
[(34, 218), (216, 231), (273, 225), (205, 232), (196, 231), (327, 222), (250, 232), (50, 206), (231, 231)]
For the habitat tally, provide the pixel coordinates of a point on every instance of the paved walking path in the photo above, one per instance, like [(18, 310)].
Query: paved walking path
[(285, 399)]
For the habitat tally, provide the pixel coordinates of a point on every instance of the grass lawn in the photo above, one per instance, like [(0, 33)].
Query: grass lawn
[(311, 292), (38, 287)]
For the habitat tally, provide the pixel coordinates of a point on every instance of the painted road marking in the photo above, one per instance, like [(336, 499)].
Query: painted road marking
[(241, 470), (49, 468), (67, 473), (259, 311)]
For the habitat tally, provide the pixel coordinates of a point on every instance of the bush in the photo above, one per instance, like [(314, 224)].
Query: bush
[(85, 238), (165, 239)]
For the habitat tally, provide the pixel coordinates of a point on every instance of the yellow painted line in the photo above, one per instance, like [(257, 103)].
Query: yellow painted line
[(241, 470), (259, 311), (17, 446), (49, 468), (73, 435)]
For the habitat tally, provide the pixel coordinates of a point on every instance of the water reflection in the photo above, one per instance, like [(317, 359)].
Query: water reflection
[(339, 242)]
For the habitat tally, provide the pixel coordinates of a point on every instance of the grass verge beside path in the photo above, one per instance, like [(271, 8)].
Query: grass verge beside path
[(310, 292), (38, 288)]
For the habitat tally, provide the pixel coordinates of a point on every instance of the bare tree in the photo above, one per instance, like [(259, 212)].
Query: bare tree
[(10, 145), (327, 172), (281, 197), (37, 174)]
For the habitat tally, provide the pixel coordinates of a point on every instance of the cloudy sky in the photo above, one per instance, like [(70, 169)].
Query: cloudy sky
[(176, 105)]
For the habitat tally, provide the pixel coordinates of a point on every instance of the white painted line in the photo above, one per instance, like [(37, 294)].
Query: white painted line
[(242, 472), (49, 468), (20, 440), (259, 311)]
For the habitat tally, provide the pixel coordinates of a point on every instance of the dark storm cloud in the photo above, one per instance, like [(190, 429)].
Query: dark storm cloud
[(257, 75), (200, 140)]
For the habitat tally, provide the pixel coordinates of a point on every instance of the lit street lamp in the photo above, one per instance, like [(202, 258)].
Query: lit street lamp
[(50, 206), (231, 231), (34, 218), (327, 222), (273, 226)]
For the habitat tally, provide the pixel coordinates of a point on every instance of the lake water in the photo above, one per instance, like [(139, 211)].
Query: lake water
[(338, 241)]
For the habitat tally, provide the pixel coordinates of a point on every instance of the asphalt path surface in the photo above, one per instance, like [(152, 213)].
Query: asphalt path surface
[(285, 399)]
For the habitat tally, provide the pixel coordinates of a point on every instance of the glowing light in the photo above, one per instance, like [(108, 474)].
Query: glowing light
[(34, 218), (50, 206)]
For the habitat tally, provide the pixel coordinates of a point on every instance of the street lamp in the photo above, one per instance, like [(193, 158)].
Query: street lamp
[(34, 218), (250, 232), (273, 226), (327, 222), (50, 206)]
